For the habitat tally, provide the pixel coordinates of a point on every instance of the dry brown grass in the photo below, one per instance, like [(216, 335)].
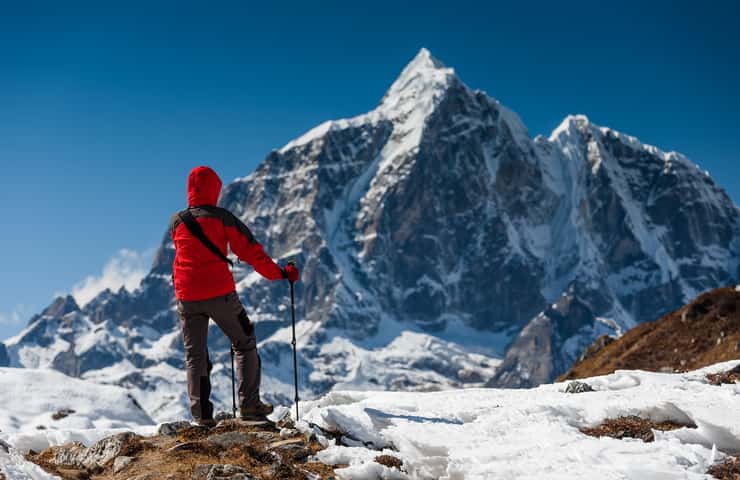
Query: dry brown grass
[(702, 333), (727, 470), (631, 427)]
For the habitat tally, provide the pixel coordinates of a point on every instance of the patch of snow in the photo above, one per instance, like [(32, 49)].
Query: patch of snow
[(14, 466)]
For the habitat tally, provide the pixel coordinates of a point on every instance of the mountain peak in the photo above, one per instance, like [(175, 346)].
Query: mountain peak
[(577, 125), (61, 306), (569, 125), (423, 79), (409, 100), (425, 60)]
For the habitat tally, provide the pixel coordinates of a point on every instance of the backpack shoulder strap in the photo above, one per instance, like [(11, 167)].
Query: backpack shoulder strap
[(189, 220)]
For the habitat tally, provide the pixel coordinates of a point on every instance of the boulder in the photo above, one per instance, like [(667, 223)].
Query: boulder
[(578, 387), (96, 456), (70, 454), (105, 450), (170, 429)]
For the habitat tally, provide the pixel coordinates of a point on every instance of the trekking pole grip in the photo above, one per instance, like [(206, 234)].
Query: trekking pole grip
[(292, 264)]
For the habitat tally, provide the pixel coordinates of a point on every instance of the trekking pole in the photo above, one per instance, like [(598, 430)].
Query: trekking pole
[(233, 391), (295, 355)]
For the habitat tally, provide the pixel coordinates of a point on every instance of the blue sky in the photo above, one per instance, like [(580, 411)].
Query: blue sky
[(104, 109)]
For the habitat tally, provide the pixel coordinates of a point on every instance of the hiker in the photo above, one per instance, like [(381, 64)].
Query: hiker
[(205, 289)]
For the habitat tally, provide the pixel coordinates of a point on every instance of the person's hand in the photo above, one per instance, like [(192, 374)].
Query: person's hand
[(290, 271)]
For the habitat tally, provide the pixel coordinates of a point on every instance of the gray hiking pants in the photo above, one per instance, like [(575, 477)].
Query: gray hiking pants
[(228, 313)]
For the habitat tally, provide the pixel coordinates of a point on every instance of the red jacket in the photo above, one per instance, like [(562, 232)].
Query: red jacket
[(198, 273)]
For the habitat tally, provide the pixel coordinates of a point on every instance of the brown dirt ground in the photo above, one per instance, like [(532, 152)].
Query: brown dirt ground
[(631, 427), (702, 333), (727, 470), (389, 461), (152, 457)]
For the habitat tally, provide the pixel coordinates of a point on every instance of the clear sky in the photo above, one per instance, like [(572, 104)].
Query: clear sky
[(104, 109)]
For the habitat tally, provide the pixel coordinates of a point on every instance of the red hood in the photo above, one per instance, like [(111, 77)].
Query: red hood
[(204, 187)]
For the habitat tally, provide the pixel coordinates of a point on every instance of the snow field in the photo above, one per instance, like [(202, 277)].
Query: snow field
[(30, 397), (495, 433)]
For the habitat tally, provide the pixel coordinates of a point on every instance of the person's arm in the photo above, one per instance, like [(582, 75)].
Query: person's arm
[(249, 250)]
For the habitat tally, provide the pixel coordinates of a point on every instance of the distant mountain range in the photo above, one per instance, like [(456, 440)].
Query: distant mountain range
[(441, 246)]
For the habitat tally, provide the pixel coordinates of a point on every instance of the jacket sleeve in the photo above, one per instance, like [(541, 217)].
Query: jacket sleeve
[(246, 247)]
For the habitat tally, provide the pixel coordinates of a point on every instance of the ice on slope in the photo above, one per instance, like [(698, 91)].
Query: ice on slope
[(479, 434)]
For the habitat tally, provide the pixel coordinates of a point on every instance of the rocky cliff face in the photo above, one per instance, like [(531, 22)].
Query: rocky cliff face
[(4, 360), (435, 237)]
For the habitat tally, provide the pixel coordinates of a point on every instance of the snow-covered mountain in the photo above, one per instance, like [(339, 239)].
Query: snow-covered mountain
[(440, 245)]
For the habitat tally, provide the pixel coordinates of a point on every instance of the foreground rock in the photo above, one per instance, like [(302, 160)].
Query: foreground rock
[(578, 387), (730, 376), (171, 429), (232, 450), (96, 456)]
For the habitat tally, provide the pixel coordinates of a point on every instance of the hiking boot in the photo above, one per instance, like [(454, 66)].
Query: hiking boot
[(255, 412), (204, 422)]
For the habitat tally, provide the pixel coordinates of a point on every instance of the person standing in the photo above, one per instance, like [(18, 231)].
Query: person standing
[(204, 288)]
